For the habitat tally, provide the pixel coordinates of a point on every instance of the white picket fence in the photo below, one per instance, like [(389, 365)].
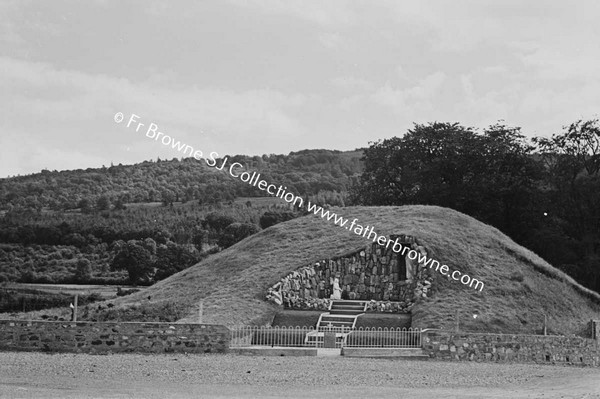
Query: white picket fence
[(384, 338), (245, 336)]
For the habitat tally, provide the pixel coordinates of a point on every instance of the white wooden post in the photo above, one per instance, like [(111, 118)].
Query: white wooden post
[(75, 307), (200, 311)]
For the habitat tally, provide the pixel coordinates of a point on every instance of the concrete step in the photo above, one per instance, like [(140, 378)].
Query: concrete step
[(346, 306), (336, 306), (329, 352), (348, 301), (329, 321), (338, 317), (341, 316), (274, 351), (336, 323), (350, 312), (355, 308)]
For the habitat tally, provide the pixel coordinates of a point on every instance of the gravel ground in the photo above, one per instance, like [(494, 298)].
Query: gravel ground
[(30, 375)]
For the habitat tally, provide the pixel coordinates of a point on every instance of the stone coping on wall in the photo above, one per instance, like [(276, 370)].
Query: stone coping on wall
[(433, 331), (107, 337)]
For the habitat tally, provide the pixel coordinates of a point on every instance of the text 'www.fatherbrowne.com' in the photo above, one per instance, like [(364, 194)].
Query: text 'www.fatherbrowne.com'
[(368, 232), (237, 171)]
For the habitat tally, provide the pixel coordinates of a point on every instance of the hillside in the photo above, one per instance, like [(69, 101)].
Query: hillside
[(52, 224), (520, 286), (307, 172)]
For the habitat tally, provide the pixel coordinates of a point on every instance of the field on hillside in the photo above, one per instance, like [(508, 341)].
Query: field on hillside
[(262, 202), (107, 291), (519, 288), (49, 299)]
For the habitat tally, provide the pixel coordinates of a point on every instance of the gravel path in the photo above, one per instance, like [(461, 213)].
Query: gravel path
[(34, 375)]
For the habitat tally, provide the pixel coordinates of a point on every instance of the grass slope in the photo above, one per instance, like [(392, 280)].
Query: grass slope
[(520, 287)]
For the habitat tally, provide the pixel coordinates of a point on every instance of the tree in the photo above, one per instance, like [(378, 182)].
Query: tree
[(168, 197), (269, 218), (199, 237), (172, 258), (491, 176), (235, 233), (119, 204), (217, 221), (134, 257), (85, 205), (430, 164), (83, 273), (103, 203), (75, 239), (150, 245), (572, 166), (509, 182)]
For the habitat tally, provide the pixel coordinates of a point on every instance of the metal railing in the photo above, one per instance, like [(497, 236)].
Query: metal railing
[(383, 338), (245, 336)]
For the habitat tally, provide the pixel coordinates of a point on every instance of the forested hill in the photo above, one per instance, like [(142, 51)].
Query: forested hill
[(306, 173)]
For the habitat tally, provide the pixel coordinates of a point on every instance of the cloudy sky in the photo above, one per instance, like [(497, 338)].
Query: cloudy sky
[(261, 76)]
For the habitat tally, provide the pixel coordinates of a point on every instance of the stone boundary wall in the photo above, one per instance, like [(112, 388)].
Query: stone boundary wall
[(482, 347), (89, 337)]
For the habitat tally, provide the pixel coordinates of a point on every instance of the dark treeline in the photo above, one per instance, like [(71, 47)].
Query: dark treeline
[(543, 193), (97, 248)]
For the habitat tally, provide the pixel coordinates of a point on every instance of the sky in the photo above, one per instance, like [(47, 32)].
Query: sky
[(259, 76)]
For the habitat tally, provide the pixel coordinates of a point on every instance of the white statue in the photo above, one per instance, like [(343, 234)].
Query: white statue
[(410, 269), (337, 291), (275, 295)]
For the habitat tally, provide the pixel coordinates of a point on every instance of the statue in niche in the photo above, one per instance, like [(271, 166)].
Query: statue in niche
[(275, 295), (337, 291), (411, 267)]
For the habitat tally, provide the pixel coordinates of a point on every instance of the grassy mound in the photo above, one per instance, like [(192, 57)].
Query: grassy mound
[(520, 287)]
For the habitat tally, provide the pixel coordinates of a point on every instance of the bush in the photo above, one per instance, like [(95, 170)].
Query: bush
[(235, 233), (122, 292), (269, 219), (83, 273)]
